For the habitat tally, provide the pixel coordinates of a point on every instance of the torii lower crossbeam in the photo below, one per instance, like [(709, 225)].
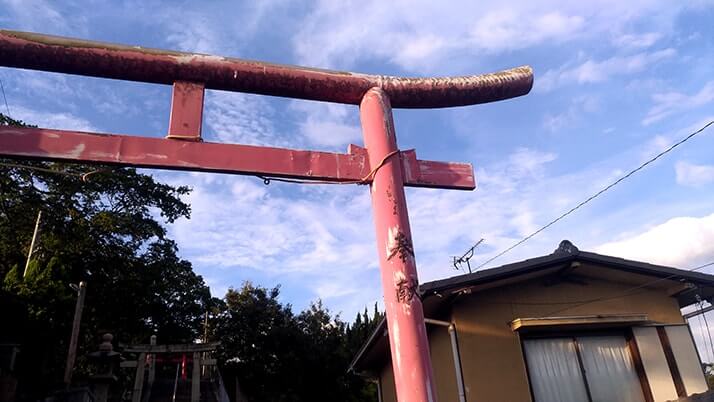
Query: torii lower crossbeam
[(172, 154)]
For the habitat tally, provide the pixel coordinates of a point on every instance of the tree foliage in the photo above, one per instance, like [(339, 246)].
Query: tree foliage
[(105, 229), (279, 356)]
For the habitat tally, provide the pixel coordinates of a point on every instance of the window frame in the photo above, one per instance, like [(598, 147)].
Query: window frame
[(573, 334)]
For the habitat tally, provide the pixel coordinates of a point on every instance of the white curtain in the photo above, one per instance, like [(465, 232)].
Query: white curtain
[(609, 369), (554, 371)]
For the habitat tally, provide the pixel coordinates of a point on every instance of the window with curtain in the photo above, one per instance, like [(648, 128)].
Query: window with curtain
[(583, 368)]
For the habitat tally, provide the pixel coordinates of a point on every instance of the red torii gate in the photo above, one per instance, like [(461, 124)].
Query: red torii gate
[(379, 164)]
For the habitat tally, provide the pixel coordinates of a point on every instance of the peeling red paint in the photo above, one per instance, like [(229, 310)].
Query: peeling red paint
[(40, 143), (405, 316), (186, 111), (133, 63)]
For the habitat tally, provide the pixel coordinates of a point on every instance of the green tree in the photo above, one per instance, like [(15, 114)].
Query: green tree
[(105, 228), (279, 356), (258, 336)]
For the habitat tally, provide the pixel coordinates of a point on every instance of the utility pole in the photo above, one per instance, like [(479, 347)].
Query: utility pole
[(205, 328), (72, 352), (32, 244), (205, 340)]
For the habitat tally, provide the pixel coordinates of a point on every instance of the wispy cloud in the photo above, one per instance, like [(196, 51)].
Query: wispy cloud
[(238, 225), (41, 16), (595, 71), (419, 36), (326, 125), (576, 110), (636, 40), (57, 120), (240, 119), (689, 174), (506, 29), (662, 141), (668, 103)]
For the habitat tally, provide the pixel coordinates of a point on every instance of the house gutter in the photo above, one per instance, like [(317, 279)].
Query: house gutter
[(379, 390), (455, 352)]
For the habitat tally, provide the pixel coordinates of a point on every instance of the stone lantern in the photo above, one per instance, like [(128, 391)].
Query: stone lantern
[(105, 360)]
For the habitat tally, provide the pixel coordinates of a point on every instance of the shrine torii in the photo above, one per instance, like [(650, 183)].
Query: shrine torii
[(380, 163)]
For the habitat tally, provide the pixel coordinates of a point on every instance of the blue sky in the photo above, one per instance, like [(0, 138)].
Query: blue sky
[(615, 83)]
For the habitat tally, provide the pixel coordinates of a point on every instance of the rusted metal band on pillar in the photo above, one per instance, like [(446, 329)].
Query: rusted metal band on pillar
[(133, 63)]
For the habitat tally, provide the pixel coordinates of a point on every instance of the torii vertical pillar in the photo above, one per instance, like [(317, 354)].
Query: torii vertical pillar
[(405, 316)]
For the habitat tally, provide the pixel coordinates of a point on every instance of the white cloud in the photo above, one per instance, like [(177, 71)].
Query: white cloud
[(423, 35), (324, 237), (59, 120), (578, 107), (329, 133), (240, 119), (635, 40), (528, 162), (668, 103), (689, 174), (192, 32), (592, 71), (506, 29), (660, 142), (328, 125), (681, 242), (41, 16)]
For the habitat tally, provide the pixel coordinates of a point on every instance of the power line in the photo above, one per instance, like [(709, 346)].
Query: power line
[(2, 87), (83, 176), (709, 332), (633, 290), (592, 197), (577, 303), (707, 347)]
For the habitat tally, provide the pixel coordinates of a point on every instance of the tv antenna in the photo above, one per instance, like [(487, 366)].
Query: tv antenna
[(459, 261)]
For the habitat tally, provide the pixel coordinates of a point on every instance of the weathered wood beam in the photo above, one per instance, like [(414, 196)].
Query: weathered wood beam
[(159, 153), (134, 63), (196, 377), (139, 378), (188, 348)]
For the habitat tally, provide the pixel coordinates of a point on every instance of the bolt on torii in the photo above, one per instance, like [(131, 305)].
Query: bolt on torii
[(380, 163)]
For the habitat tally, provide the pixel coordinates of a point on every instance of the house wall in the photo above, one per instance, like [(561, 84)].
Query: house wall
[(386, 383), (441, 357), (491, 355)]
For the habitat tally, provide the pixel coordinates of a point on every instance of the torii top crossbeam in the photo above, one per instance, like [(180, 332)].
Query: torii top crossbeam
[(379, 164), (133, 63)]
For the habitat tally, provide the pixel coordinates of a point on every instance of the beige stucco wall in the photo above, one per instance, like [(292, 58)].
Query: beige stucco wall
[(441, 356), (491, 354), (386, 383)]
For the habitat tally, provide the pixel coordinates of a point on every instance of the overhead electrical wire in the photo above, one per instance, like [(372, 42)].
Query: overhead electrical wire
[(83, 176), (2, 87), (707, 347), (709, 333), (633, 290), (592, 197), (577, 303)]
